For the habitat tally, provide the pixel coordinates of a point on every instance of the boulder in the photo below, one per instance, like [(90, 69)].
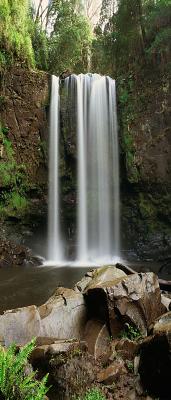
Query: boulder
[(163, 324), (166, 301), (126, 348), (64, 315), (98, 340), (103, 275), (20, 325), (155, 365), (47, 351), (98, 276), (135, 299), (112, 372), (83, 283)]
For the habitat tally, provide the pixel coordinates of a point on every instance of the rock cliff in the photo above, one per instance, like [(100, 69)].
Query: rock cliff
[(144, 129)]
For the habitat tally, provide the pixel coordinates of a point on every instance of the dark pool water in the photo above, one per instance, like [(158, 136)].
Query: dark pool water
[(34, 285)]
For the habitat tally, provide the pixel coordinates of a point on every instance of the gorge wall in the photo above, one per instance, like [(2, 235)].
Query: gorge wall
[(24, 100), (145, 132)]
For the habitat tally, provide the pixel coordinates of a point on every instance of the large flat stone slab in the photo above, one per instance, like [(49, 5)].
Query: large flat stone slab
[(63, 316), (20, 325)]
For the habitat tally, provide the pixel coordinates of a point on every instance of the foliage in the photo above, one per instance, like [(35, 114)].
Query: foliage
[(12, 176), (130, 332), (40, 46), (61, 36), (93, 394), (15, 383), (15, 40), (132, 33), (130, 365), (70, 40)]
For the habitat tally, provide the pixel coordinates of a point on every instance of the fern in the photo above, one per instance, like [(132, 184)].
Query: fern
[(15, 384)]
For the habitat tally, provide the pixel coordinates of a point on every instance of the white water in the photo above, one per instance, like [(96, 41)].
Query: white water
[(82, 124), (55, 251), (98, 211)]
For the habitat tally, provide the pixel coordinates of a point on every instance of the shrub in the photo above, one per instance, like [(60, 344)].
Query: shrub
[(93, 394), (130, 332), (15, 383), (15, 39)]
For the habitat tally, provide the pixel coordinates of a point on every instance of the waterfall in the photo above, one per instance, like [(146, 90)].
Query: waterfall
[(98, 210), (55, 252), (82, 83), (98, 169)]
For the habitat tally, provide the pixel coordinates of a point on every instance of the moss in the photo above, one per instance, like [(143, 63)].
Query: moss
[(154, 210), (147, 208), (129, 150), (128, 113), (13, 204), (43, 148), (13, 179)]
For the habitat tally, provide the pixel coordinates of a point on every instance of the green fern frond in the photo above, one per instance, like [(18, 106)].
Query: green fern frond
[(14, 383)]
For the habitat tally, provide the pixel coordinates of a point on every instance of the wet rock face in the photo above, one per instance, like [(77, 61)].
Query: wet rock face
[(25, 96), (24, 102), (146, 167), (12, 255)]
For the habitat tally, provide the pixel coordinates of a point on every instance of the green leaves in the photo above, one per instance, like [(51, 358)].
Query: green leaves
[(15, 40), (93, 394), (70, 40), (15, 383), (133, 34), (13, 178), (130, 332)]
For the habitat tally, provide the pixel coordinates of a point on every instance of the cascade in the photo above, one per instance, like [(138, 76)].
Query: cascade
[(55, 251), (98, 211)]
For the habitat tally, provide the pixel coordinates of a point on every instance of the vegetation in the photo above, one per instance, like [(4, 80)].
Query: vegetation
[(129, 34), (13, 178), (15, 382), (70, 39), (15, 40), (132, 34), (56, 40), (130, 332), (93, 394)]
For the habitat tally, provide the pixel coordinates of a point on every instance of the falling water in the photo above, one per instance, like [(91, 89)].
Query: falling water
[(55, 252), (98, 168), (98, 213), (82, 125)]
